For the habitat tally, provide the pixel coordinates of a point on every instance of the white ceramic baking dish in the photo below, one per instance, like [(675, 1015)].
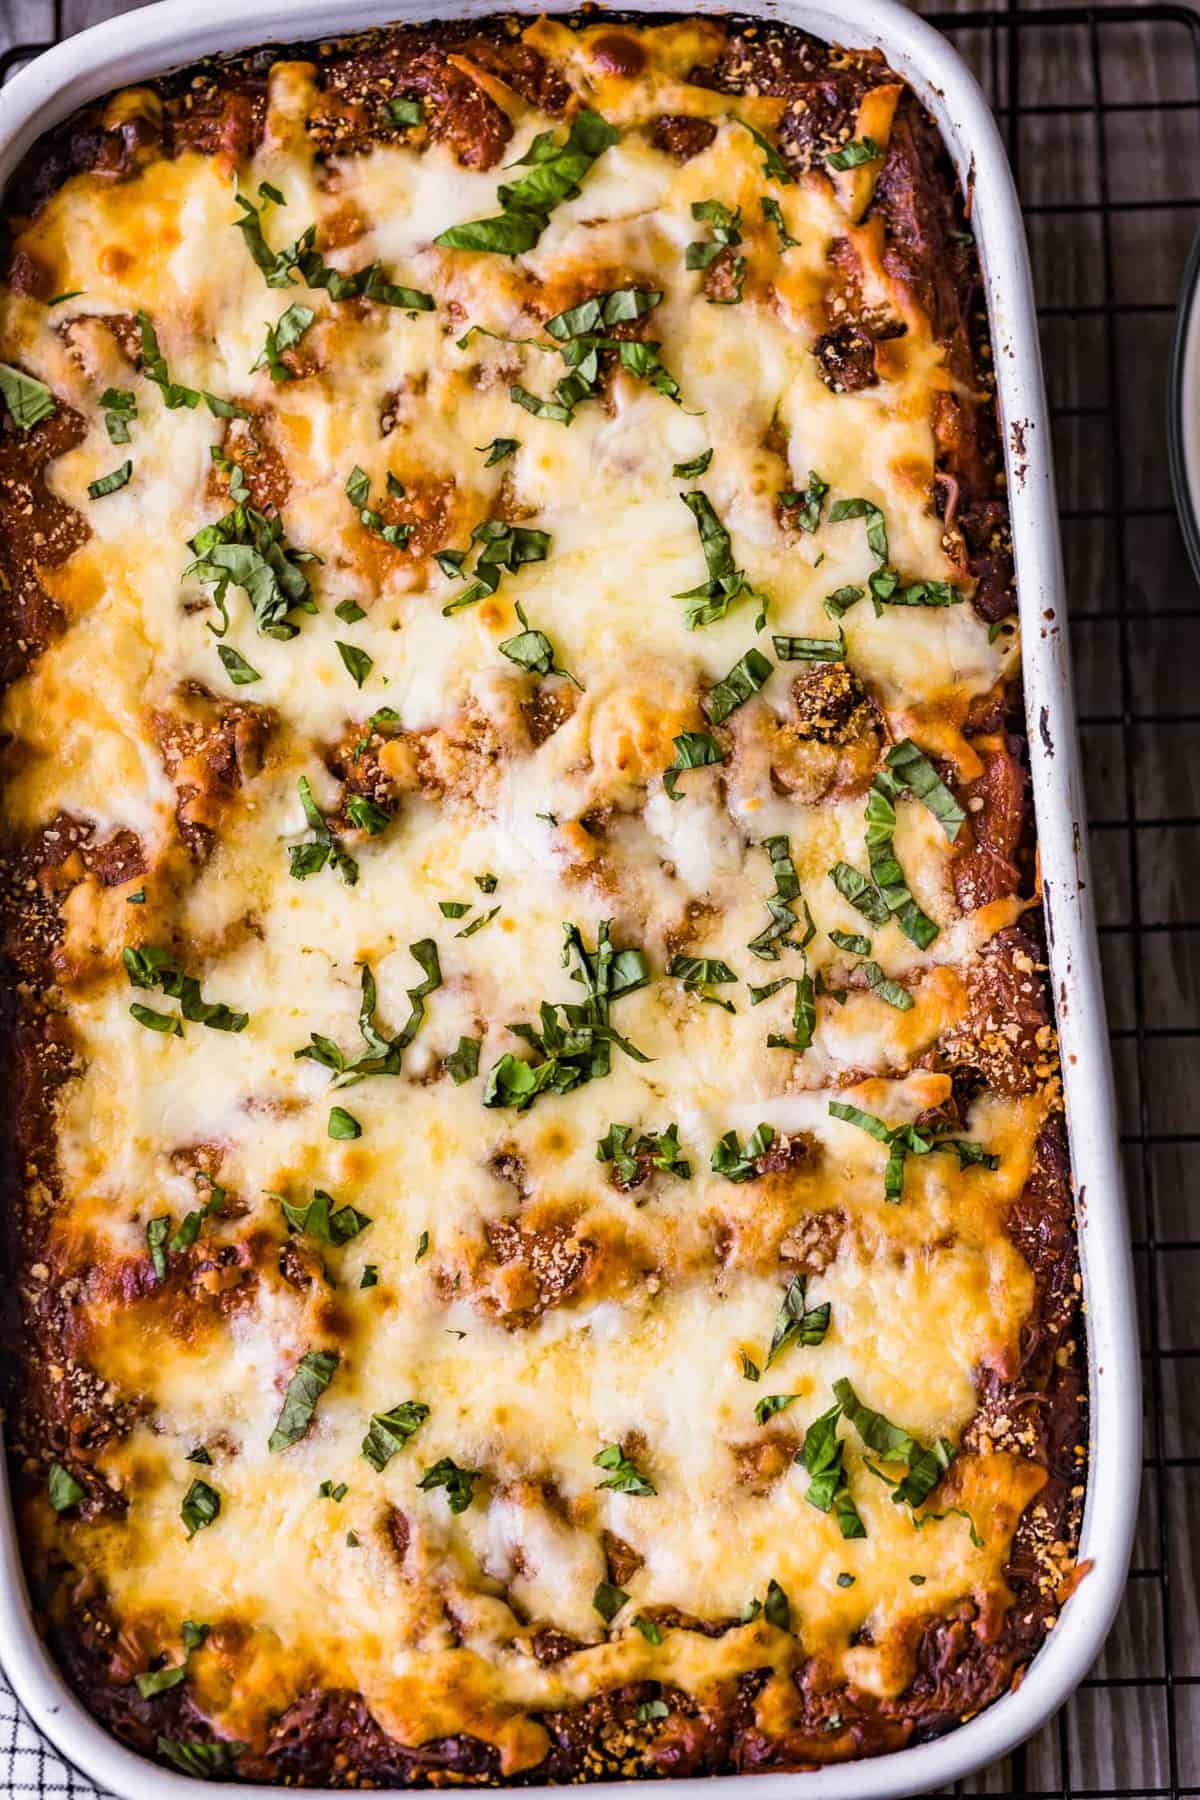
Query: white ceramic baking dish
[(176, 32)]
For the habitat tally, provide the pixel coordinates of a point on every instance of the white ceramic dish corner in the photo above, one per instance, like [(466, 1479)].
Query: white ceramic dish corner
[(177, 32)]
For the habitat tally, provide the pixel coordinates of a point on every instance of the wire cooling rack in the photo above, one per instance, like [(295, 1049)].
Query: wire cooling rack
[(1100, 107)]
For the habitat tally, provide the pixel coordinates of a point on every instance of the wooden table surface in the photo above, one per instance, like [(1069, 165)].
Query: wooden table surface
[(1108, 161)]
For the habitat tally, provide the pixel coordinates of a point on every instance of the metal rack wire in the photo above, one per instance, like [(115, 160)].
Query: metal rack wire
[(1100, 107)]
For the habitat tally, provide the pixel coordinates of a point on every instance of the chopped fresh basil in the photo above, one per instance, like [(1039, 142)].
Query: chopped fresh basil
[(370, 1275), (876, 524), (852, 942), (556, 173), (885, 869), (382, 1055), (200, 1455), (862, 894), (358, 492), (357, 663), (502, 548), (797, 1323), (70, 294), (660, 1147), (390, 1431), (285, 334), (422, 1246), (367, 815), (311, 856), (28, 400), (854, 153), (574, 1040), (914, 771), (154, 368), (693, 750), (726, 235), (692, 471), (454, 909), (776, 1609), (888, 990), (167, 1023), (649, 1629), (770, 1404), (900, 1140), (477, 923), (808, 649), (776, 935), (463, 1063), (247, 549), (699, 971), (305, 260), (822, 1458), (458, 1483), (313, 1374), (746, 677), (199, 1507), (157, 1233), (236, 667), (807, 505), (349, 612), (959, 1512), (624, 1476), (804, 1019), (533, 651), (774, 166), (750, 1369), (487, 884), (608, 1600), (138, 899), (925, 1466), (120, 406), (838, 604), (845, 1579), (726, 583), (406, 112), (729, 1159), (323, 1219), (328, 1490), (154, 967), (498, 449), (772, 210), (343, 1124), (651, 1709), (203, 1761), (62, 1489), (109, 484)]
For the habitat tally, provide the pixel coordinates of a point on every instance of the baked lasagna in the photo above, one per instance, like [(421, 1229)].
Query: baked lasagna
[(537, 1181)]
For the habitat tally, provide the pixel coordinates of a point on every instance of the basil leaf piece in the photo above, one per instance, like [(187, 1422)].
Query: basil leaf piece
[(199, 1507), (852, 942), (200, 1455), (349, 611), (750, 1369), (854, 153), (625, 1477), (608, 1600), (838, 604), (463, 1063), (828, 1490), (422, 1246), (458, 1483), (729, 1159), (487, 884), (774, 166), (914, 771), (925, 1465), (557, 172), (698, 971), (343, 1124), (157, 1232), (370, 1276), (804, 1019), (382, 1055), (498, 449), (159, 1681), (357, 663), (312, 1376), (808, 504), (28, 400), (726, 583), (862, 894), (153, 966), (960, 1512), (746, 677), (204, 1761), (323, 1219), (885, 868), (891, 991), (328, 1491), (74, 293), (390, 1431), (759, 994), (502, 548), (876, 524), (109, 484), (311, 856), (246, 548), (776, 1609), (225, 409), (454, 909), (533, 651), (285, 334), (772, 210), (692, 471), (660, 1147), (693, 750), (770, 1404), (154, 368), (358, 492), (477, 924), (366, 815), (574, 1040), (62, 1489), (797, 1323), (726, 234), (649, 1629), (120, 406), (406, 112), (809, 649), (236, 667)]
